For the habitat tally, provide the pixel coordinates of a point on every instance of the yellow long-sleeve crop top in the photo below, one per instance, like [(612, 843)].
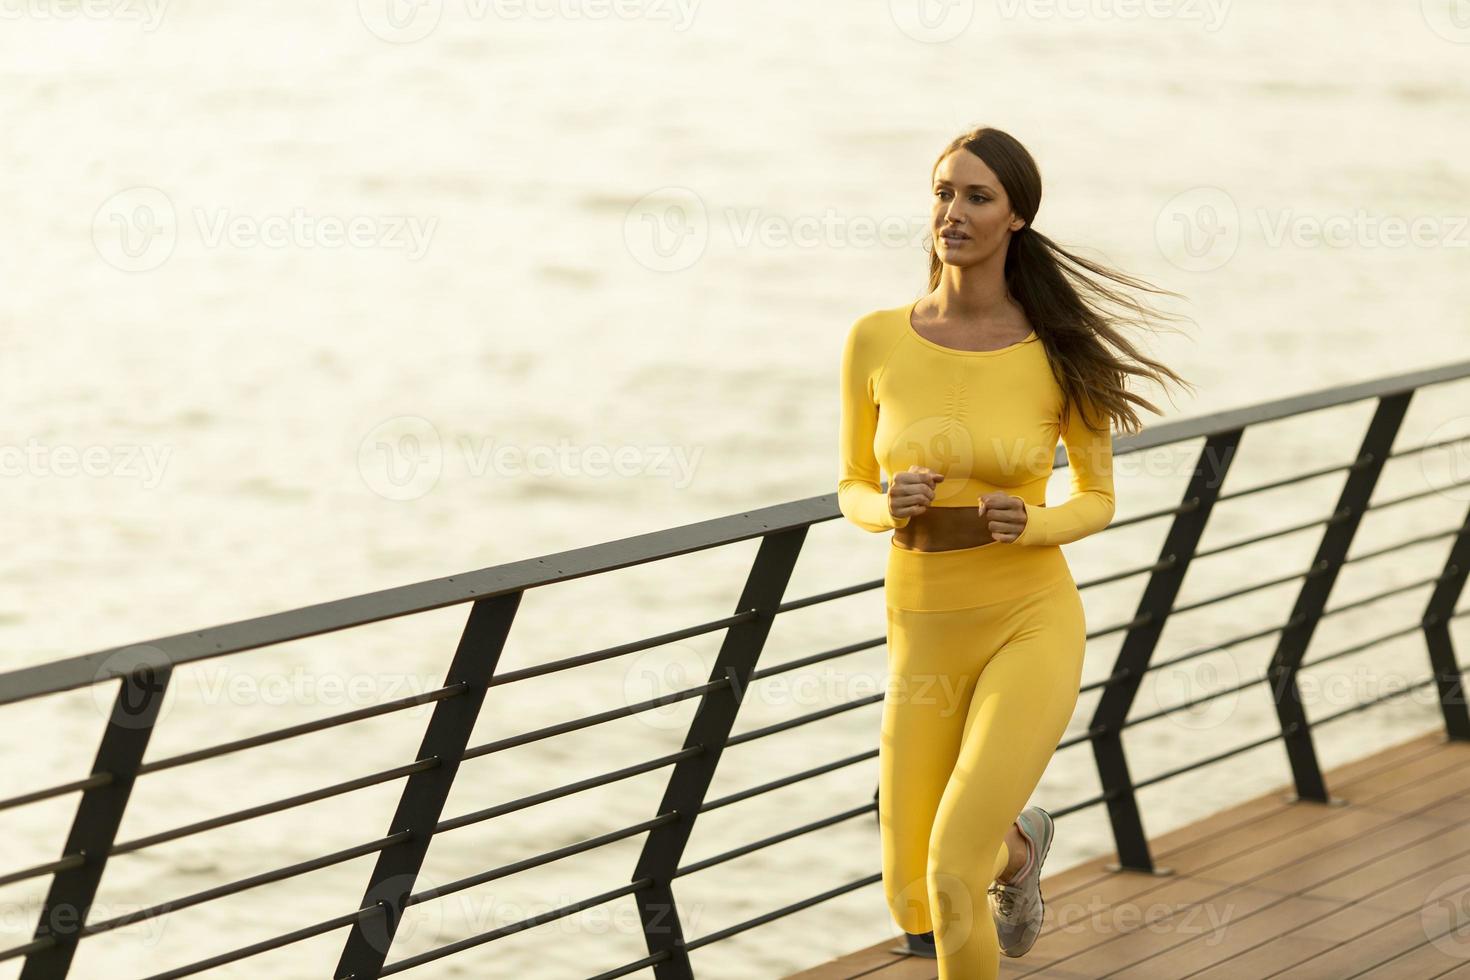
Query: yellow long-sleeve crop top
[(988, 420)]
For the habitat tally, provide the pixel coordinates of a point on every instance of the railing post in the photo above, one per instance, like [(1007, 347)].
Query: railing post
[(710, 729), (1296, 730), (99, 814), (422, 801), (1447, 674), (1138, 646)]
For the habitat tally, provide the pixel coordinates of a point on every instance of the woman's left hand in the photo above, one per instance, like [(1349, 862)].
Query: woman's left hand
[(1005, 513)]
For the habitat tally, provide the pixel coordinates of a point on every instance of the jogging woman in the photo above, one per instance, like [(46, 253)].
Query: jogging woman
[(961, 398)]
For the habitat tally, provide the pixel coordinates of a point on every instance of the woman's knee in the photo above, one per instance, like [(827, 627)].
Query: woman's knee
[(908, 900), (965, 852)]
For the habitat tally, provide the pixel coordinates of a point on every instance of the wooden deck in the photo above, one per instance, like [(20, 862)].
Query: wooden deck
[(1377, 887)]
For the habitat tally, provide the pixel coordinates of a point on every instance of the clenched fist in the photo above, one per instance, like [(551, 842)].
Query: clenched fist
[(912, 492), (1005, 513)]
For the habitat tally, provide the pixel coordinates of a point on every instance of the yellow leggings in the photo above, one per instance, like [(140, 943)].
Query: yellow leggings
[(985, 652)]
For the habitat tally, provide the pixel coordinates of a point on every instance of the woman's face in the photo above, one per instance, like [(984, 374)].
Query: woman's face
[(972, 217)]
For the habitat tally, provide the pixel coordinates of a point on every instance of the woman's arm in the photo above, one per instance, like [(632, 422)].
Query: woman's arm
[(1090, 507), (860, 497)]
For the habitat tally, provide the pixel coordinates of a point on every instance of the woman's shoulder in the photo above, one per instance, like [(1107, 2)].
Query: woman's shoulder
[(875, 332)]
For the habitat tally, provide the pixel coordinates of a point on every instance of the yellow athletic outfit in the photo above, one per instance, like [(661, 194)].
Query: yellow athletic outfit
[(985, 644)]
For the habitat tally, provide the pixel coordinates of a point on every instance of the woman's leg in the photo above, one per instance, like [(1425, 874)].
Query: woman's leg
[(1022, 700), (932, 659)]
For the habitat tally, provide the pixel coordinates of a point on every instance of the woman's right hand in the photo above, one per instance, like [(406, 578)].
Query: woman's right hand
[(912, 492)]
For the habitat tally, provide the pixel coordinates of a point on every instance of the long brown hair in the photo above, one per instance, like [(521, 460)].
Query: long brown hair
[(1090, 356)]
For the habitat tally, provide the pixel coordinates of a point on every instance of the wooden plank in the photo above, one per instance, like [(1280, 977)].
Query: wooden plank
[(1354, 780), (1200, 950), (1384, 948)]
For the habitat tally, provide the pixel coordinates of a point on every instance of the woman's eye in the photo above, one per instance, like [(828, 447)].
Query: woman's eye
[(975, 198)]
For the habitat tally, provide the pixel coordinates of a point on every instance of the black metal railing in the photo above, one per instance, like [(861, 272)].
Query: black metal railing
[(493, 595)]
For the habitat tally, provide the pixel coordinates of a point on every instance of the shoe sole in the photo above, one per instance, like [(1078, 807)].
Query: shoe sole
[(1041, 899)]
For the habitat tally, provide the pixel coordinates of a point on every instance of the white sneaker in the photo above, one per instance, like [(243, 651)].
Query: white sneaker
[(1017, 904)]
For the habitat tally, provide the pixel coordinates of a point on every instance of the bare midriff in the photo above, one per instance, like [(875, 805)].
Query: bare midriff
[(944, 529)]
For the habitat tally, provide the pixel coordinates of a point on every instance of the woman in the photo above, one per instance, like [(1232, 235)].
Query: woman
[(961, 398)]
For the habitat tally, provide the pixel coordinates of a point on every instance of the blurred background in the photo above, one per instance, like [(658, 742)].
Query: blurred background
[(302, 301)]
